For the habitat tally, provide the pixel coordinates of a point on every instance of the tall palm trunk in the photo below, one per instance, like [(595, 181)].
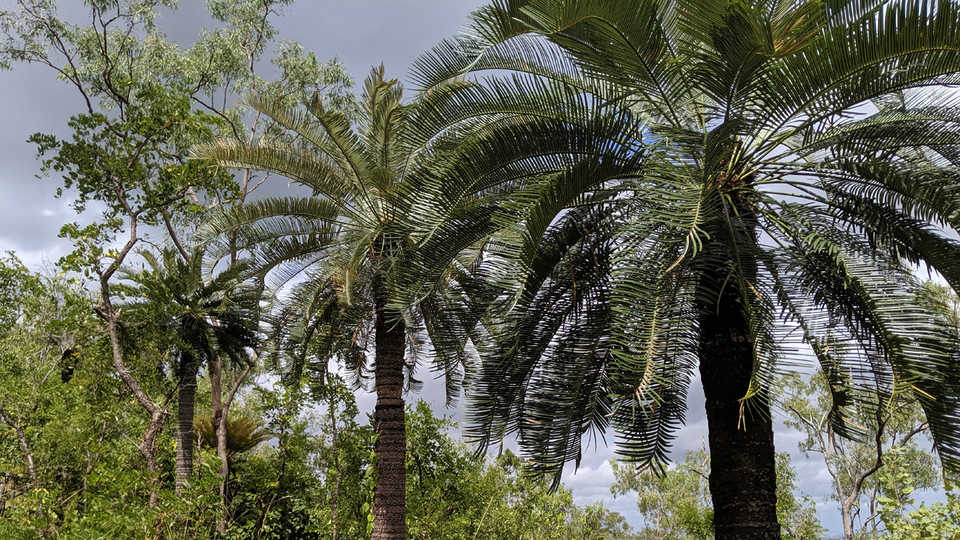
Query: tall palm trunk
[(742, 473), (389, 503), (186, 400), (743, 479)]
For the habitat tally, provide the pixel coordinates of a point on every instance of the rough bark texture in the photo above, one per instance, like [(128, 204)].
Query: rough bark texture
[(186, 400), (742, 470), (148, 450), (389, 520)]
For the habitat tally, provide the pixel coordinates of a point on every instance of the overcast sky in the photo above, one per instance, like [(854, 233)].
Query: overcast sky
[(360, 33)]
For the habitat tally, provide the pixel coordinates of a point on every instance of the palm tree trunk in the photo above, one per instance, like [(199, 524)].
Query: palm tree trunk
[(389, 505), (742, 472), (186, 400)]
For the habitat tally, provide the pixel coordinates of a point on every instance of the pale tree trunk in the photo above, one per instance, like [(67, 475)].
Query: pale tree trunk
[(111, 317), (221, 411), (335, 496), (186, 401), (389, 496), (846, 516), (24, 447), (216, 389)]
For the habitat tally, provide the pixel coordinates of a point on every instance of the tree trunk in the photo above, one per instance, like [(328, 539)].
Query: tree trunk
[(389, 505), (220, 430), (224, 466), (742, 459), (158, 415), (846, 516), (186, 399), (335, 496), (24, 447), (148, 451)]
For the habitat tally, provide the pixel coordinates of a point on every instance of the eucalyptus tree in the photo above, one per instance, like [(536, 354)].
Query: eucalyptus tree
[(146, 100), (340, 250), (689, 176)]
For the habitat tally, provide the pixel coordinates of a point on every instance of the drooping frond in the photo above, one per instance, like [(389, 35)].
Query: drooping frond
[(790, 152)]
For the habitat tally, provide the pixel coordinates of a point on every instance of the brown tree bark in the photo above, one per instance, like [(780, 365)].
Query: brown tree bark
[(389, 496), (186, 401), (742, 458), (158, 414)]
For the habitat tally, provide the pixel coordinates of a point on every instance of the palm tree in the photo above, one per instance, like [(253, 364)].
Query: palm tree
[(705, 185), (340, 251), (209, 317)]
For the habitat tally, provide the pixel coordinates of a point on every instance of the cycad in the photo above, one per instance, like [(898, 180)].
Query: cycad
[(704, 183), (208, 316), (243, 434), (339, 251)]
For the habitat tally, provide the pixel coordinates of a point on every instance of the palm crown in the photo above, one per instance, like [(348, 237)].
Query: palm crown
[(342, 250), (713, 184), (208, 315), (340, 247)]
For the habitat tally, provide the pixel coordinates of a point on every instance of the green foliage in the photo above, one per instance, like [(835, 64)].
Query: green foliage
[(796, 513), (939, 521), (243, 434), (130, 166), (92, 486), (75, 420), (864, 472), (677, 503), (453, 494), (558, 221)]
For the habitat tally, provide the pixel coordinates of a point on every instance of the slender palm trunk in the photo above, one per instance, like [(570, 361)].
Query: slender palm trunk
[(389, 503), (742, 473), (186, 400)]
